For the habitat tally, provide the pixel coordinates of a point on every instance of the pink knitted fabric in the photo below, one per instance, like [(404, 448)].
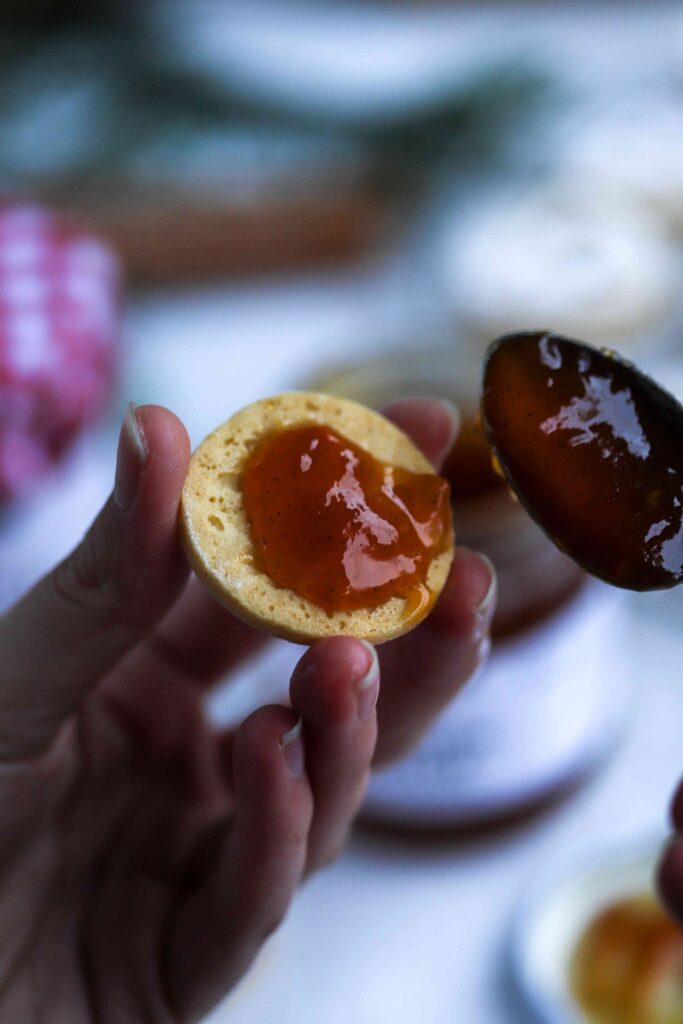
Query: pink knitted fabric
[(59, 328)]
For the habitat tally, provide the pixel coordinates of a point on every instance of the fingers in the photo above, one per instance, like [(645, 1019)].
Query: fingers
[(219, 929), (288, 820), (431, 423), (202, 638), (334, 689), (78, 622), (422, 671), (198, 642), (677, 809), (670, 879), (670, 871)]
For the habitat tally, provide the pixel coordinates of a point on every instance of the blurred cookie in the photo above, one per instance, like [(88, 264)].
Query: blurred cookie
[(311, 516)]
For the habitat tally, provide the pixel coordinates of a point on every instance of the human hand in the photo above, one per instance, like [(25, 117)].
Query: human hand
[(145, 856), (670, 870)]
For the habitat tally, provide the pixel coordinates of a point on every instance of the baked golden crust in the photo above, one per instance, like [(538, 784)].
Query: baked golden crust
[(216, 534)]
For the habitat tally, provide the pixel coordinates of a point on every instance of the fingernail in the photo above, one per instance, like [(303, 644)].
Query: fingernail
[(368, 687), (130, 459), (484, 650), (484, 611), (292, 747), (451, 410)]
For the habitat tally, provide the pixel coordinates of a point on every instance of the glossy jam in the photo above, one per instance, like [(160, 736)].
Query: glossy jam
[(594, 450), (339, 528), (628, 965)]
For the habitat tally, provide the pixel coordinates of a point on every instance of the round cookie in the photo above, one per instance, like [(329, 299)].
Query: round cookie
[(217, 537)]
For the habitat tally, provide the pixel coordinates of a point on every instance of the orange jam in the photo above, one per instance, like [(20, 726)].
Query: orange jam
[(628, 965), (339, 528)]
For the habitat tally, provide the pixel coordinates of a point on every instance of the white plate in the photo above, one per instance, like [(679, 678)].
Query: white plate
[(549, 705)]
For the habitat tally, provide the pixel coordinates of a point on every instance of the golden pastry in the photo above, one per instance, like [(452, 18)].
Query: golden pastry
[(311, 516)]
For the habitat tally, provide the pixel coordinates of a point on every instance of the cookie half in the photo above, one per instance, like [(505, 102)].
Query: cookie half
[(218, 538)]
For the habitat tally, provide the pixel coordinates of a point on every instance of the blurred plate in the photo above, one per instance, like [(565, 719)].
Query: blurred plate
[(558, 251), (372, 60), (552, 917), (343, 62)]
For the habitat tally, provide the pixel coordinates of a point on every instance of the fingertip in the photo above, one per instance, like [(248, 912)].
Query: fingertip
[(431, 423), (468, 600), (326, 682), (152, 557), (261, 730), (165, 437), (676, 813), (267, 753), (339, 655), (669, 877), (160, 484)]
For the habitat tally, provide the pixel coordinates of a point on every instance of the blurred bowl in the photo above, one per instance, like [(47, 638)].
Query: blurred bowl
[(564, 254), (555, 914), (633, 144)]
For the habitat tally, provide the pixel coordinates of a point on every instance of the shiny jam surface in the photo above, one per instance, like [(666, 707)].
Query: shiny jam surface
[(628, 965), (594, 450), (339, 528)]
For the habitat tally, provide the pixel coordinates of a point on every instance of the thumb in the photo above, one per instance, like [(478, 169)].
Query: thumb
[(77, 623)]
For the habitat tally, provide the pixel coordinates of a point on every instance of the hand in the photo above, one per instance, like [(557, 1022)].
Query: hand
[(670, 873), (144, 856)]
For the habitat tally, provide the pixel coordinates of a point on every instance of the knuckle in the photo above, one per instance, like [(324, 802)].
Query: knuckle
[(71, 587), (86, 583)]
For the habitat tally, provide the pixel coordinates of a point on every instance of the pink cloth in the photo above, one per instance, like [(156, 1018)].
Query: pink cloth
[(59, 328)]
